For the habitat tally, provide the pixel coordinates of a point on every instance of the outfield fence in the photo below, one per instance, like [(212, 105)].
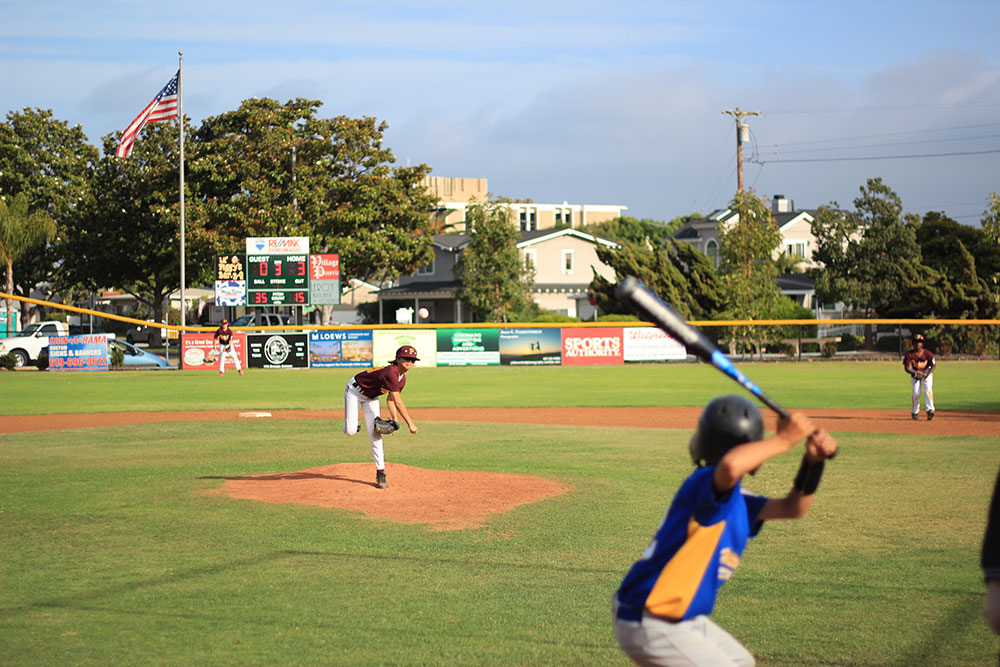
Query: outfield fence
[(605, 341)]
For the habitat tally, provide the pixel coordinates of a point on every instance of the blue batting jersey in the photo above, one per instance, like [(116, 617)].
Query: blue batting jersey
[(693, 553)]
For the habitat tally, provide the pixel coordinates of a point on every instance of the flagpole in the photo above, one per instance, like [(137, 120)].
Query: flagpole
[(180, 124)]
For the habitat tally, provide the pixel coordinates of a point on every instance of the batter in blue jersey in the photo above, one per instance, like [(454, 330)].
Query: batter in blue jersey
[(661, 610)]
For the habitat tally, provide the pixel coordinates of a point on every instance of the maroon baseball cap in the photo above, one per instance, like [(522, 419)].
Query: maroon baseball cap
[(407, 352)]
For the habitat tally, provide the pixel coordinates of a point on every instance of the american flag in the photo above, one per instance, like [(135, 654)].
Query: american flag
[(163, 107)]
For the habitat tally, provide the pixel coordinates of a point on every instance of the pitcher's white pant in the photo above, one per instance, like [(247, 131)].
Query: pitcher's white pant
[(927, 386), (654, 641), (370, 406), (231, 353)]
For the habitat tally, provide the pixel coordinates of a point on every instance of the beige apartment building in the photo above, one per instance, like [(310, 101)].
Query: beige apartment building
[(455, 194)]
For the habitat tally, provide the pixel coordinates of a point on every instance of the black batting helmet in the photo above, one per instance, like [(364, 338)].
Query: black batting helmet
[(725, 422)]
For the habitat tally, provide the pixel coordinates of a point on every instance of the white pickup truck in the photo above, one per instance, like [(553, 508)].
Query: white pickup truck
[(29, 343)]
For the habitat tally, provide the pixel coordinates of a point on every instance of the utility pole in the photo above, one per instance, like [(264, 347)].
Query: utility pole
[(742, 133)]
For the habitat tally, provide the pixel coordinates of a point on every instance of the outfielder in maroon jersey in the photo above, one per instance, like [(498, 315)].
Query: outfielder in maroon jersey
[(364, 391), (919, 363)]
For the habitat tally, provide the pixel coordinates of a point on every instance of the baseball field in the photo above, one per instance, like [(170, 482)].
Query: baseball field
[(144, 521)]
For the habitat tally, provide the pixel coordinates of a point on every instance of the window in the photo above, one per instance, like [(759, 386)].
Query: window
[(712, 250), (796, 248), (529, 219), (564, 217), (567, 261), (426, 270), (530, 259)]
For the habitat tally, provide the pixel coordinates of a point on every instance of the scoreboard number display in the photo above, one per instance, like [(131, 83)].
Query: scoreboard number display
[(277, 280)]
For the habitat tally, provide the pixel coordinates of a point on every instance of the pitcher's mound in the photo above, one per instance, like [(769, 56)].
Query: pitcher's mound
[(445, 499)]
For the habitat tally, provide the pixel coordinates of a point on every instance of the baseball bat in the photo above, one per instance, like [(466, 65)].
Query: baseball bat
[(640, 297)]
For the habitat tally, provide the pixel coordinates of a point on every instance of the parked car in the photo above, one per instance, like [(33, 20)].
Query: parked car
[(262, 320), (29, 343), (135, 356), (143, 333)]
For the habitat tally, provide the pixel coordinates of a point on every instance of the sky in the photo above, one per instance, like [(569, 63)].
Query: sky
[(614, 103)]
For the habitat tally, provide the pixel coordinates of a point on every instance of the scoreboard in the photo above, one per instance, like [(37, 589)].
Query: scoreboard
[(277, 280)]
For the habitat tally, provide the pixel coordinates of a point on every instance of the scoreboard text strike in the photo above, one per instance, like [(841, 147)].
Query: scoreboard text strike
[(277, 280)]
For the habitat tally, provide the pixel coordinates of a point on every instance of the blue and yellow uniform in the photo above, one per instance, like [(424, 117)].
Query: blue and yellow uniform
[(693, 553)]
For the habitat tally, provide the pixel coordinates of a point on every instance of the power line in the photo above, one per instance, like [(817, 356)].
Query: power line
[(892, 143), (886, 134), (895, 107), (876, 157)]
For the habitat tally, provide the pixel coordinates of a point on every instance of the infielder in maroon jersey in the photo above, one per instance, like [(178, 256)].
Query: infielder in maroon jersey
[(364, 390), (919, 363), (223, 341)]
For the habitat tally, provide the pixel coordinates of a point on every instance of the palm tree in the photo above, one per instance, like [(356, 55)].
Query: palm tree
[(20, 233)]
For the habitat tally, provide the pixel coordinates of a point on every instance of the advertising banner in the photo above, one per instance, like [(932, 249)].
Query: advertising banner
[(530, 347), (592, 346), (278, 245), (278, 350), (230, 280), (196, 347), (86, 352), (468, 347), (339, 349), (230, 292), (324, 280), (387, 341), (651, 344)]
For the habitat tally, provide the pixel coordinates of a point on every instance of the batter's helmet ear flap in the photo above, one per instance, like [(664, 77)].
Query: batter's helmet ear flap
[(725, 422)]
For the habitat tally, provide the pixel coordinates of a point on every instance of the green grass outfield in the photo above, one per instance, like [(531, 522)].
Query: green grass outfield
[(959, 385), (111, 552)]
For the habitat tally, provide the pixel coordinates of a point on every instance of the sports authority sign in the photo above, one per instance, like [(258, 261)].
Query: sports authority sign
[(592, 346)]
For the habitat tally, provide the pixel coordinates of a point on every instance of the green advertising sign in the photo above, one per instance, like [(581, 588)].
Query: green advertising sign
[(468, 347)]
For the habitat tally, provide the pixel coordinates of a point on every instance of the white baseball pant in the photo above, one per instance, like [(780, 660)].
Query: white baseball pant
[(925, 386), (228, 351), (353, 398), (699, 641)]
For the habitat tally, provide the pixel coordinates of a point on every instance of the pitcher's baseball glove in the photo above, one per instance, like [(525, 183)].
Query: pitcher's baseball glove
[(385, 426), (919, 375)]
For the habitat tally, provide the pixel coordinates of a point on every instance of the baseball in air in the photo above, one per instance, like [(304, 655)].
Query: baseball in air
[(423, 312)]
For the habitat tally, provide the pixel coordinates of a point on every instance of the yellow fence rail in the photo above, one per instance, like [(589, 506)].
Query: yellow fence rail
[(495, 325)]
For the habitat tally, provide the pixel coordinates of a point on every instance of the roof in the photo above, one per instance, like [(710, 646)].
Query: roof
[(456, 242), (541, 235), (428, 287), (451, 242), (795, 282)]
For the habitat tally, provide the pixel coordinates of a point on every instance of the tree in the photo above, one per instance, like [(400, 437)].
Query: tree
[(126, 234), (271, 169), (48, 162), (645, 231), (21, 232), (969, 262), (496, 283), (871, 259), (747, 270), (991, 218), (678, 273)]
